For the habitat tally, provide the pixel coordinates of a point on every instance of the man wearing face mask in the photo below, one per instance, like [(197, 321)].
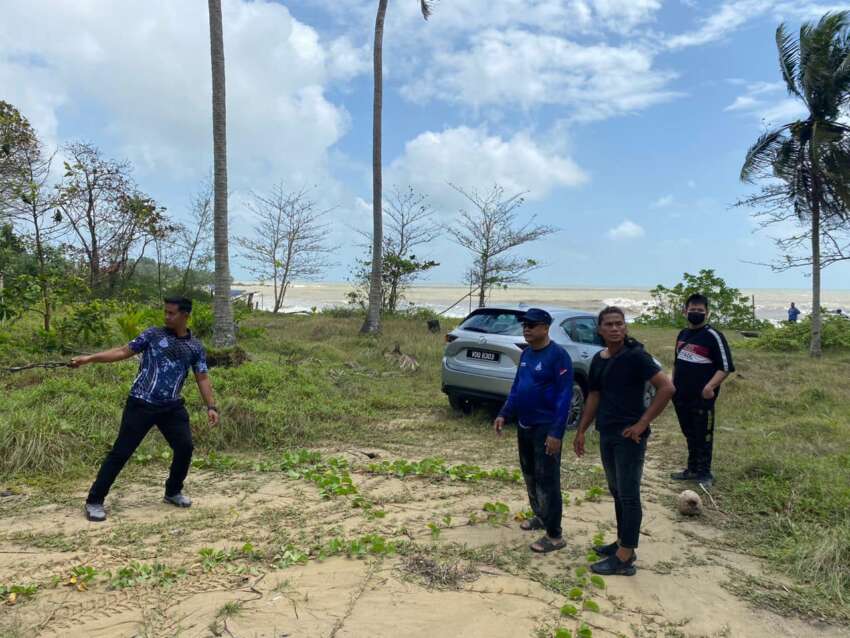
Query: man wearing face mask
[(703, 360)]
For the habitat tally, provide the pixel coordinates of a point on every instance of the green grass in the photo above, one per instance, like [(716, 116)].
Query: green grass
[(782, 453), (312, 380), (782, 457)]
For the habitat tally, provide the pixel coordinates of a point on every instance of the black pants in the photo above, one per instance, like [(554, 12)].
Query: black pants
[(697, 422), (139, 417), (623, 459), (542, 474)]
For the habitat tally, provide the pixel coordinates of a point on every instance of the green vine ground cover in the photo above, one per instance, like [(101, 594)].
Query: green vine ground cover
[(782, 451)]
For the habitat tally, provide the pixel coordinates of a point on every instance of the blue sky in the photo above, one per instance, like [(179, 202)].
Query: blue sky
[(626, 121)]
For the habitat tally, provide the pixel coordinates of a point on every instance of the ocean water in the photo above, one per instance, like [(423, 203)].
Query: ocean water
[(770, 303)]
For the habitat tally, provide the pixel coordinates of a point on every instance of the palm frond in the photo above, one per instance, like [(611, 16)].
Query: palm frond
[(789, 56), (426, 7), (823, 73), (842, 73), (762, 154)]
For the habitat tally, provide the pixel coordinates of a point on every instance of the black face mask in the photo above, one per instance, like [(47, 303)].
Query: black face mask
[(696, 318)]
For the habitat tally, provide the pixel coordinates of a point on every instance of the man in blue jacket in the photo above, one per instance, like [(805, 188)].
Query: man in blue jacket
[(540, 402)]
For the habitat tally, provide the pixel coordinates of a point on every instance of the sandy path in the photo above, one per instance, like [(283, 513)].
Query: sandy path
[(508, 592)]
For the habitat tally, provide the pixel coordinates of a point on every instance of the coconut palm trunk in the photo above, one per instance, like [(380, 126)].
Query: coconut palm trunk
[(815, 336), (372, 324), (223, 332)]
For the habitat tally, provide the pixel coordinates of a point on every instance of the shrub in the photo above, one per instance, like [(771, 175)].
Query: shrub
[(136, 319), (790, 337), (87, 323), (728, 307), (201, 321)]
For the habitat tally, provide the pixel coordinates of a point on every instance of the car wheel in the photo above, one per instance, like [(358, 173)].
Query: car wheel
[(576, 406), (460, 403)]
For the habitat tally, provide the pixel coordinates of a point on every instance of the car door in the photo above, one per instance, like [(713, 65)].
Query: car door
[(585, 339)]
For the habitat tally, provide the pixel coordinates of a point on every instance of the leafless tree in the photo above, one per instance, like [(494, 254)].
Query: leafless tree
[(409, 224), (195, 238), (290, 240), (111, 220), (490, 232)]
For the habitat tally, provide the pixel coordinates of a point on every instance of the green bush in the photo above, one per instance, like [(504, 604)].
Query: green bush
[(202, 320), (136, 319), (792, 337), (728, 307), (343, 312), (87, 324)]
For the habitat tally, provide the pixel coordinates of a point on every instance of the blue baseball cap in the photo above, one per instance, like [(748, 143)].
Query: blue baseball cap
[(536, 315)]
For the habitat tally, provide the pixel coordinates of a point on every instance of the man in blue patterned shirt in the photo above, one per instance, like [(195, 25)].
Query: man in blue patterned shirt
[(168, 354)]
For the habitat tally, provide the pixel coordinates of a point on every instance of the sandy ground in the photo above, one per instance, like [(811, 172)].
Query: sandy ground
[(678, 591)]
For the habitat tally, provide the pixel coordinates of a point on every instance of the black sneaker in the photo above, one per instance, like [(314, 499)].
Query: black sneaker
[(706, 480), (613, 566), (95, 512), (607, 550), (684, 475), (179, 499)]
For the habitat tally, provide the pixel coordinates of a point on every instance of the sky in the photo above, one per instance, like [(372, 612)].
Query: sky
[(624, 122)]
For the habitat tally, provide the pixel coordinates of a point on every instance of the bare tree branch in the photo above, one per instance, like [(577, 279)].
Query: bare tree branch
[(489, 232), (289, 242)]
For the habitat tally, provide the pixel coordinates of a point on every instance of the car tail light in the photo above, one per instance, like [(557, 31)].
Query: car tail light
[(522, 345), (450, 338)]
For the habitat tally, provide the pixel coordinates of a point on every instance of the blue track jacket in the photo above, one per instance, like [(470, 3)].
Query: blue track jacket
[(542, 390)]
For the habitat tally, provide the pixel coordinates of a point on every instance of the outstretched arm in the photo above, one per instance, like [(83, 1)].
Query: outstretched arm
[(106, 356)]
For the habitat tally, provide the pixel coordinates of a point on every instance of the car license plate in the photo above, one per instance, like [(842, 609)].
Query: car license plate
[(483, 355)]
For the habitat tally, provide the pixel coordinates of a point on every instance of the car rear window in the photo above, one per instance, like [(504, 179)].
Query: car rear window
[(496, 322)]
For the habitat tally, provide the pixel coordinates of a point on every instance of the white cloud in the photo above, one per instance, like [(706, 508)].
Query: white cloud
[(743, 103), (729, 17), (626, 230), (453, 18), (732, 15), (766, 102), (474, 159), (807, 10), (519, 68), (662, 202), (137, 75)]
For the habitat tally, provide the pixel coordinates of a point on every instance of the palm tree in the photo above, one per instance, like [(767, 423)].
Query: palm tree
[(372, 324), (812, 156), (223, 332)]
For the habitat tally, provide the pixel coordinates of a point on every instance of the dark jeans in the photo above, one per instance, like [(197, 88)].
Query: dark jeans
[(622, 459), (542, 474), (697, 422), (139, 417)]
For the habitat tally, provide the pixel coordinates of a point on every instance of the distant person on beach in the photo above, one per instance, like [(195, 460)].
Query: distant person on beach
[(793, 313), (168, 354), (703, 360), (617, 386), (540, 402)]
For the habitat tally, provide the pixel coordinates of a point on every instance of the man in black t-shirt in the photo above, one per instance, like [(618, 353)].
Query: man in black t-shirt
[(703, 360), (616, 399)]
